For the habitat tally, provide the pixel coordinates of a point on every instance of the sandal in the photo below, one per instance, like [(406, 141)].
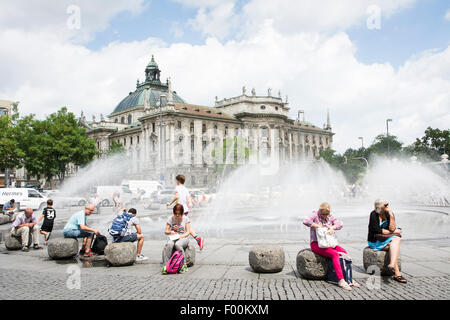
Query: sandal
[(355, 284), (344, 285), (399, 279)]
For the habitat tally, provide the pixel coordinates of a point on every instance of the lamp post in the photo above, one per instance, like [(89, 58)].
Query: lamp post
[(162, 152), (387, 135), (299, 125), (362, 141)]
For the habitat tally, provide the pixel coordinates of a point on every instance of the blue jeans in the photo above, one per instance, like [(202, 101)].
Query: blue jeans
[(129, 238), (76, 233)]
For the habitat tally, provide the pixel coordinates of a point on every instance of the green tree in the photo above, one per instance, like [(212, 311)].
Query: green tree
[(350, 163), (12, 155), (50, 145), (380, 146), (432, 145), (115, 148)]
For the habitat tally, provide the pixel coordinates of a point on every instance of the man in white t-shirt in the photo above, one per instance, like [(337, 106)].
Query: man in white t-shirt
[(182, 197)]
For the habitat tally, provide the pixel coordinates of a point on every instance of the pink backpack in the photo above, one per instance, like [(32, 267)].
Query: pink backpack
[(175, 262)]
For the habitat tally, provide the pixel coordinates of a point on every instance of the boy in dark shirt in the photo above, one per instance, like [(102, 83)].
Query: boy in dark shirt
[(48, 214)]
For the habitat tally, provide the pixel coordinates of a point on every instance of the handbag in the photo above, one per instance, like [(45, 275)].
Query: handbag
[(383, 237), (325, 239)]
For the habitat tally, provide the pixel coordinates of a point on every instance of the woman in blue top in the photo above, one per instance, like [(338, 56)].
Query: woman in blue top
[(382, 221)]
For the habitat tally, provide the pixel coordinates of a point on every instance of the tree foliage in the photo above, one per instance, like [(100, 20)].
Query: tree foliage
[(432, 145), (52, 144)]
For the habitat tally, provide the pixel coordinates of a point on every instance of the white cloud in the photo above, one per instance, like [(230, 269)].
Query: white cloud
[(447, 15), (317, 70), (52, 16), (219, 19)]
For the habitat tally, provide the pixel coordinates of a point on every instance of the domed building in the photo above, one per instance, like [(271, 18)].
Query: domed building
[(166, 136)]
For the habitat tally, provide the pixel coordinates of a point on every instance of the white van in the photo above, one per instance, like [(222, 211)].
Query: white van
[(149, 186), (105, 193), (27, 197)]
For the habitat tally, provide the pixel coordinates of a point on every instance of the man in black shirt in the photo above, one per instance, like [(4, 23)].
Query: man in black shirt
[(48, 214)]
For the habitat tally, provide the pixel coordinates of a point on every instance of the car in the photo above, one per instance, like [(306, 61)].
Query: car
[(166, 195), (61, 199), (35, 187)]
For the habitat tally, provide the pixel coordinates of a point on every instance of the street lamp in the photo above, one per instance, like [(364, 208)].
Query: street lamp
[(298, 119), (362, 141), (387, 135), (162, 157)]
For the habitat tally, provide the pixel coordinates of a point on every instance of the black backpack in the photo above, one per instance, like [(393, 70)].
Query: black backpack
[(99, 244)]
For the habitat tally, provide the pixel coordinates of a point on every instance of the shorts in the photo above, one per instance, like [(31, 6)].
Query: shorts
[(128, 238), (77, 233), (47, 227)]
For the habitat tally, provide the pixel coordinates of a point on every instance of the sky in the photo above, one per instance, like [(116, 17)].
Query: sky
[(365, 61)]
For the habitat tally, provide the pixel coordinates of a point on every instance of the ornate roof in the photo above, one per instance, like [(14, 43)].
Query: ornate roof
[(155, 89), (136, 99)]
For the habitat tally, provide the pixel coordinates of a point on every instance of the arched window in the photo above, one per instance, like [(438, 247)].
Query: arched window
[(129, 119), (264, 132), (226, 131), (122, 120), (116, 120)]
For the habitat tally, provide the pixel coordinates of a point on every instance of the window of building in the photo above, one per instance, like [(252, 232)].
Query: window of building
[(124, 141), (215, 129), (179, 125), (116, 120), (131, 140), (226, 131), (122, 120), (263, 107), (192, 144), (138, 139), (129, 119), (203, 128), (203, 145), (191, 127), (276, 108), (98, 145), (264, 132), (205, 180), (153, 145), (153, 127)]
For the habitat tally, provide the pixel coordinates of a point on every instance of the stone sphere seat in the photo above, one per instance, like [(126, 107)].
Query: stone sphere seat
[(266, 259), (120, 253), (62, 248), (311, 265), (4, 218), (377, 261), (13, 242)]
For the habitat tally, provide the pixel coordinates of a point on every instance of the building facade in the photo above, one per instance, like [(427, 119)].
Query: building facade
[(164, 135)]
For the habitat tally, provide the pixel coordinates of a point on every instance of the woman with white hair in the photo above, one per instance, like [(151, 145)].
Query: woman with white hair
[(323, 219), (384, 235)]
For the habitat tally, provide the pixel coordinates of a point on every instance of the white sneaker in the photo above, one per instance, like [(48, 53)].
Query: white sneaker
[(141, 257)]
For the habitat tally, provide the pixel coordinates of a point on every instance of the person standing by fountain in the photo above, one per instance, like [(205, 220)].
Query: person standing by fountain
[(384, 235), (182, 197), (323, 219)]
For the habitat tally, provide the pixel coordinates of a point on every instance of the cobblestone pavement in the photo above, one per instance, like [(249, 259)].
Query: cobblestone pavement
[(222, 271), (45, 285), (32, 274)]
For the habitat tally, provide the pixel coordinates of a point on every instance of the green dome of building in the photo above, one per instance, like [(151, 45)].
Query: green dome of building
[(154, 89)]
